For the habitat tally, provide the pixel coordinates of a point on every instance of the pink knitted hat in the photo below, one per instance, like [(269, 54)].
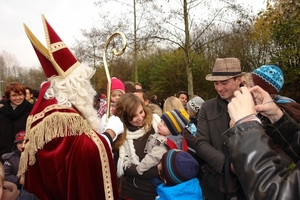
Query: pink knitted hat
[(117, 84)]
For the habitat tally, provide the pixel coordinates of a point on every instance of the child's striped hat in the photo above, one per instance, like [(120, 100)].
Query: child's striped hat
[(176, 120)]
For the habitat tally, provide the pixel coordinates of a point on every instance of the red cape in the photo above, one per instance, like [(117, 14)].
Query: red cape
[(64, 158)]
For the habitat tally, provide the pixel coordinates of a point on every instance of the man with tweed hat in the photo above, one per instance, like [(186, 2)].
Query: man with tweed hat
[(218, 181)]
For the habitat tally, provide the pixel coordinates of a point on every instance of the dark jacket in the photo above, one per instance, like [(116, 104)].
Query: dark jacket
[(213, 120), (11, 122), (191, 141), (259, 168), (293, 109), (285, 159), (133, 185), (11, 167)]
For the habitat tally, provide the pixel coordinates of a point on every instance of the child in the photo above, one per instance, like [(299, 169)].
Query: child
[(11, 161), (178, 170), (193, 107), (9, 191), (271, 79), (117, 90), (168, 137)]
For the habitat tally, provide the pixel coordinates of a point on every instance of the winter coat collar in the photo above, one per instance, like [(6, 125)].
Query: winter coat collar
[(17, 113)]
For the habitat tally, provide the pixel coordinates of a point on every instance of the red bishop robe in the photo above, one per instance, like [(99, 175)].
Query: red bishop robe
[(64, 158)]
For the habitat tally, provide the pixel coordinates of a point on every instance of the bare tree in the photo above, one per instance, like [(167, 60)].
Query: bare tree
[(143, 13), (11, 71), (8, 65), (90, 49), (189, 23)]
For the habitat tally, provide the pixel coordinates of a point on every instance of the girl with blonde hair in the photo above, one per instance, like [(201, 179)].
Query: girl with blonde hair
[(172, 103)]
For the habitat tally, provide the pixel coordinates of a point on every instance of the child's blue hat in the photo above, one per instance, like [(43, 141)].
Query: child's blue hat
[(268, 77)]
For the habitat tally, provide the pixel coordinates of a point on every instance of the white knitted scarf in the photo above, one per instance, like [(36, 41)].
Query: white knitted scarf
[(127, 154)]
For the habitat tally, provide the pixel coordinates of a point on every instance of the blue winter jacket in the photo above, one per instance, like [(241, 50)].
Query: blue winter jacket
[(190, 190)]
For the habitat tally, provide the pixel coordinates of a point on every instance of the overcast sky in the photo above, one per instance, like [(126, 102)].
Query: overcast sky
[(67, 17)]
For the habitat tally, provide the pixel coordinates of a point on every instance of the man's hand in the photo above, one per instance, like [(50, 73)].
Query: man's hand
[(265, 104), (241, 105)]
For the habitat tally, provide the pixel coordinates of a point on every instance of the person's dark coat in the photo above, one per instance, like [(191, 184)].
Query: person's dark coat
[(12, 121), (213, 120), (258, 167), (11, 167)]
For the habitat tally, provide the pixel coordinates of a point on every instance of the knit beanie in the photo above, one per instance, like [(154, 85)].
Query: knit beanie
[(268, 77), (178, 166), (176, 120), (195, 104), (19, 136), (117, 84)]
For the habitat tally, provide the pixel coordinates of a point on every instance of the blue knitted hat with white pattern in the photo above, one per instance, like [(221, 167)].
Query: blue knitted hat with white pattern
[(268, 77)]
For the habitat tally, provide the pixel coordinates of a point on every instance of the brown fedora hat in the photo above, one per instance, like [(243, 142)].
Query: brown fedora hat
[(224, 69)]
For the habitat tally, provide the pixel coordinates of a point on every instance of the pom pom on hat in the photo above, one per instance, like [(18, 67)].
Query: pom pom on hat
[(176, 120), (117, 84), (103, 96), (19, 136), (268, 77), (195, 104), (178, 166)]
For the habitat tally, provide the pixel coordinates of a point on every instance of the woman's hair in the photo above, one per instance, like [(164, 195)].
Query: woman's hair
[(126, 109), (247, 80), (76, 90), (16, 87), (172, 103), (129, 86), (155, 109), (29, 89)]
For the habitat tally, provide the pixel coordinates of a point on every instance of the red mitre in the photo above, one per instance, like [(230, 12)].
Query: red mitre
[(57, 59)]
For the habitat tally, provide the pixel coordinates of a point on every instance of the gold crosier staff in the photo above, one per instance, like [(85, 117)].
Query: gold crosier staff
[(116, 53)]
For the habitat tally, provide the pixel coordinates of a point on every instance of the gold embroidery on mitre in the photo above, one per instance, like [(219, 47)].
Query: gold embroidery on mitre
[(108, 188), (49, 126), (57, 46)]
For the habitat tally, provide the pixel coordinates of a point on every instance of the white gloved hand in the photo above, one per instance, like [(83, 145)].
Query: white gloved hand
[(103, 123), (115, 124)]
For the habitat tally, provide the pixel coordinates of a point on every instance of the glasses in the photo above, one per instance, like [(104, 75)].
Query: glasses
[(16, 95)]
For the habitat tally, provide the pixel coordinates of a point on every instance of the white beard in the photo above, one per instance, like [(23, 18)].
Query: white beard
[(76, 90)]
